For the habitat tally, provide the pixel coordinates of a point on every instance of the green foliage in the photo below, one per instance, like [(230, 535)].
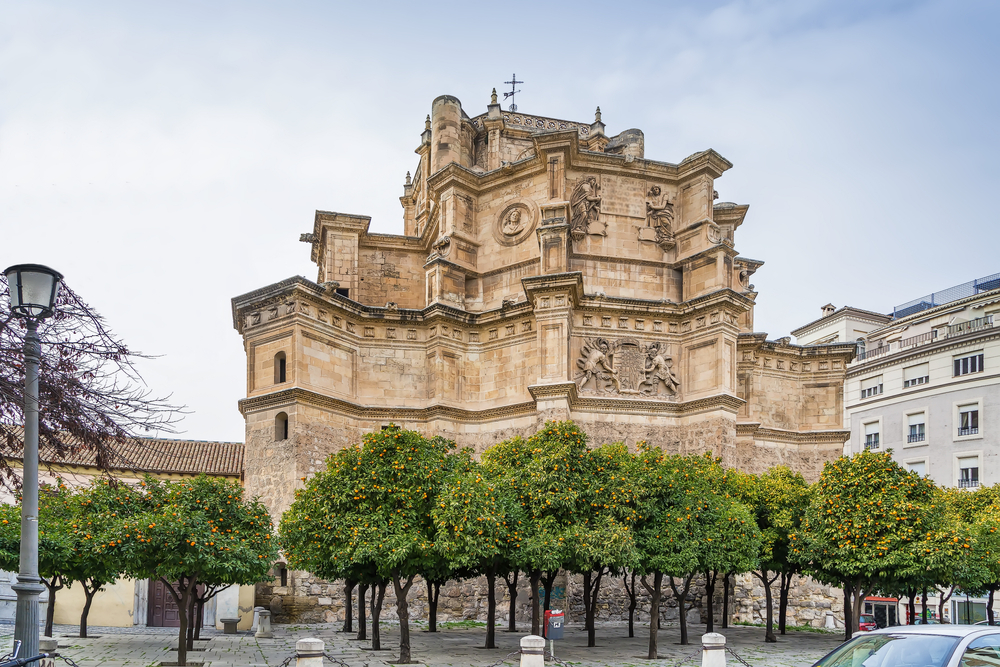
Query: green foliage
[(57, 512), (369, 512), (778, 500), (202, 527)]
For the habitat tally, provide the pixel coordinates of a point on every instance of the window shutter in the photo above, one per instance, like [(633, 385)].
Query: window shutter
[(918, 371)]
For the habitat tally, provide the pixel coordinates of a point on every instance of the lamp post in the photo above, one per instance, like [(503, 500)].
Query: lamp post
[(33, 290)]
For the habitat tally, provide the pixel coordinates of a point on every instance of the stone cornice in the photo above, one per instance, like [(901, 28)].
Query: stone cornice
[(758, 432), (758, 341), (724, 402)]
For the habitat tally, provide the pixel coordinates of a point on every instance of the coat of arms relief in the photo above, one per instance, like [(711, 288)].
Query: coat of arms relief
[(626, 367)]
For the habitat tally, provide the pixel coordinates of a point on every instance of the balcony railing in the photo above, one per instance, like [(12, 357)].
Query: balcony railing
[(954, 331), (968, 483), (972, 430), (915, 437), (955, 293)]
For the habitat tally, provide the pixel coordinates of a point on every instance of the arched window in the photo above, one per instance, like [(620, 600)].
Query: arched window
[(279, 368), (281, 426), (861, 348)]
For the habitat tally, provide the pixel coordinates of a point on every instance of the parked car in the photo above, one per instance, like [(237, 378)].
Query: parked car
[(867, 623), (919, 645), (929, 621)]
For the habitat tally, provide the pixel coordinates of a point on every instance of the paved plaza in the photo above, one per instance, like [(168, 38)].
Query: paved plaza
[(147, 647)]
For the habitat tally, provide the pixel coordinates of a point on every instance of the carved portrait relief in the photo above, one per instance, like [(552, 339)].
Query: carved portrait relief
[(626, 367), (515, 222), (585, 207)]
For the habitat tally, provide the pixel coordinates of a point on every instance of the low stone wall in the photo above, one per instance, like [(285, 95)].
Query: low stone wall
[(308, 599)]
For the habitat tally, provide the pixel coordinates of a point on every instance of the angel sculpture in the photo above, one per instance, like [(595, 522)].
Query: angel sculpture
[(595, 364), (659, 369)]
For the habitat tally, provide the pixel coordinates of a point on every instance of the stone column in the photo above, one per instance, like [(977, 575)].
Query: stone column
[(309, 652), (713, 650), (264, 627), (532, 651)]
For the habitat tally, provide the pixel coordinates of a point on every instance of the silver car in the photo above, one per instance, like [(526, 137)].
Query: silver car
[(920, 646)]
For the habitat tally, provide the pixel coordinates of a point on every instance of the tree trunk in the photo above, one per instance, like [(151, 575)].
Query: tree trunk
[(681, 597), (725, 602), (181, 597), (633, 602), (911, 606), (783, 588), (654, 611), (709, 596), (548, 580), (923, 605), (200, 617), (348, 606), (377, 596), (433, 593), (848, 612), (990, 620), (859, 605), (942, 600), (491, 607), (533, 578), (512, 593), (769, 601), (403, 612), (88, 594), (53, 584), (192, 621), (592, 607), (362, 625)]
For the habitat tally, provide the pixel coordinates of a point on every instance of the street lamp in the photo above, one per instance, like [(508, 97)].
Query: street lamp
[(33, 290)]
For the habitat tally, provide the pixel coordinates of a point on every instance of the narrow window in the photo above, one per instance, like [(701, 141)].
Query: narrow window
[(917, 432), (282, 574), (968, 419), (861, 348), (871, 386), (968, 472), (344, 291), (279, 368), (871, 435), (281, 426)]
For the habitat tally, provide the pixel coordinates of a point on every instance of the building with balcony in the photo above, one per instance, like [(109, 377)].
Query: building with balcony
[(925, 383)]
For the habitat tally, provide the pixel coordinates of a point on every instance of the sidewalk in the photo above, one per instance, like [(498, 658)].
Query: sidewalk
[(459, 647)]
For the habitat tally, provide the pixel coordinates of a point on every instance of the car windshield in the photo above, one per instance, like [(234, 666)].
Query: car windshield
[(892, 651), (867, 619)]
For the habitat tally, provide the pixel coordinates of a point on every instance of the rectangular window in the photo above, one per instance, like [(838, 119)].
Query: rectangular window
[(914, 375), (916, 424), (871, 386), (918, 467), (970, 364), (968, 419), (871, 435), (968, 472)]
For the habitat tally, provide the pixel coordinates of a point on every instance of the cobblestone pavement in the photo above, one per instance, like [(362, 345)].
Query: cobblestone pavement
[(148, 647)]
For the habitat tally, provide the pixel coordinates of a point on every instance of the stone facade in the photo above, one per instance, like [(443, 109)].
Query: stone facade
[(545, 271)]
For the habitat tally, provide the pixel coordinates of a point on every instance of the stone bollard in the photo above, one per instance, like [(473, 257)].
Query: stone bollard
[(264, 626), (309, 653), (50, 646), (713, 650), (256, 618), (532, 651)]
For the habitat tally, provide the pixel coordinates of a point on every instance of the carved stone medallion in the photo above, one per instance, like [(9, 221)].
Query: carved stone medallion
[(515, 223)]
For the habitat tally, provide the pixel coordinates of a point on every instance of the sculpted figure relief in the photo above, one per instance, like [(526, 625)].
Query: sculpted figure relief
[(660, 217), (626, 367), (585, 206)]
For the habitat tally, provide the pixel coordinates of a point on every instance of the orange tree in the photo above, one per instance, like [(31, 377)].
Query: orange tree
[(191, 532), (72, 522), (371, 508), (686, 526), (778, 499), (477, 520), (867, 524), (55, 543)]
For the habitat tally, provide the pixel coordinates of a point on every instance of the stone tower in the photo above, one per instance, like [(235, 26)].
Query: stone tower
[(546, 270)]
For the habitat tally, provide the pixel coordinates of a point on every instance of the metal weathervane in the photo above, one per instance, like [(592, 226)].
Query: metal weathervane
[(513, 91)]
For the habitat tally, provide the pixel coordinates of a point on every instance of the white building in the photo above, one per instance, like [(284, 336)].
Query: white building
[(925, 385)]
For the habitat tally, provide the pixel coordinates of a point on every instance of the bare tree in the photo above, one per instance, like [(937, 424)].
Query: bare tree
[(94, 400)]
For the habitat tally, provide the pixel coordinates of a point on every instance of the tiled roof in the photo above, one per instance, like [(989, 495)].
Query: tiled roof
[(154, 455)]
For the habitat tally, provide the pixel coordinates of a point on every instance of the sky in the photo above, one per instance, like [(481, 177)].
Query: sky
[(165, 157)]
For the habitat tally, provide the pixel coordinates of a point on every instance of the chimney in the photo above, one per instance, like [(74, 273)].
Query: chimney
[(828, 309)]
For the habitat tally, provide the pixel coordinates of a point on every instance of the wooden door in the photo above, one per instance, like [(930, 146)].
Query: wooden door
[(162, 607)]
